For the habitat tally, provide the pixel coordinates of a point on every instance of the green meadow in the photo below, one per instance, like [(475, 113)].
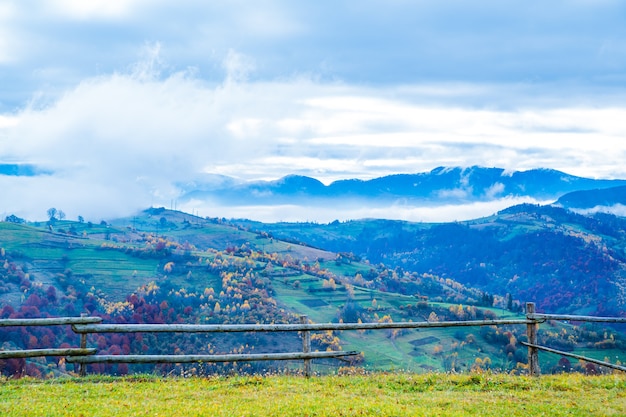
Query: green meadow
[(379, 394)]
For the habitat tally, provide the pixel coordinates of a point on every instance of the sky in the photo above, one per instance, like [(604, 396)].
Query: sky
[(117, 103)]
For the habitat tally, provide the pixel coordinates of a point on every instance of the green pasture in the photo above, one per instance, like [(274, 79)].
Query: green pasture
[(199, 279), (16, 235), (36, 243), (382, 352), (380, 394), (345, 269), (112, 271), (211, 235)]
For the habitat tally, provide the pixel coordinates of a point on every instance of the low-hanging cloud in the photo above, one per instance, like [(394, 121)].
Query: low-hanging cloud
[(122, 141), (341, 212)]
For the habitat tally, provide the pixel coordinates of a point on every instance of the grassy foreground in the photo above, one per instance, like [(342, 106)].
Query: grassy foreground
[(376, 394)]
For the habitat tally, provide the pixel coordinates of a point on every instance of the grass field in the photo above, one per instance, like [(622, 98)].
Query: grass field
[(382, 394)]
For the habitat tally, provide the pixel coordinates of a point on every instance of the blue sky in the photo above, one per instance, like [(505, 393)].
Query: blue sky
[(121, 101)]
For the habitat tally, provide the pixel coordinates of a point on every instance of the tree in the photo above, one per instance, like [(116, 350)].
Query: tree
[(509, 302), (61, 214), (51, 294), (13, 219), (433, 318), (81, 219), (52, 213), (564, 365)]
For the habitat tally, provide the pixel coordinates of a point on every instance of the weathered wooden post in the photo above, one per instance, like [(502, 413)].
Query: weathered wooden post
[(306, 346), (82, 368), (531, 332)]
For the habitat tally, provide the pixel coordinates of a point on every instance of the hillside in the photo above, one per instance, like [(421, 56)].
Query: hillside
[(604, 199), (563, 261), (163, 266)]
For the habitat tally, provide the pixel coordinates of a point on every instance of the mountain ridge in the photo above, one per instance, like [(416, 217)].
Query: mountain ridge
[(448, 185), (589, 199)]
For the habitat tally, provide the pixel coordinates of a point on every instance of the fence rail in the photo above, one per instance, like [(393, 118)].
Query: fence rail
[(36, 353), (566, 317), (572, 355), (93, 325), (208, 358), (50, 321), (224, 328)]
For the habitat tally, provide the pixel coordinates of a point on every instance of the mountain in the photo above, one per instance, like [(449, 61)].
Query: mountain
[(607, 199), (440, 186)]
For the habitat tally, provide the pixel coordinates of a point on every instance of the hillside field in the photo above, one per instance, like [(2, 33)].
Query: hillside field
[(381, 394), (163, 266)]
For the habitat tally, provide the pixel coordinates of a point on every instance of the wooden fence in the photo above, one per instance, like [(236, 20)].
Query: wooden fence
[(93, 325), (534, 348), (56, 321)]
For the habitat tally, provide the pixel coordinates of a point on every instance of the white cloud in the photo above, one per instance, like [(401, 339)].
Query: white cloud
[(616, 209), (492, 192), (92, 9), (238, 66), (7, 122), (30, 197), (138, 133), (295, 213)]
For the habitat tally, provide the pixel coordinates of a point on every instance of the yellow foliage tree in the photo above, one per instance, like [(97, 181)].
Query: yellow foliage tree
[(168, 267), (433, 318)]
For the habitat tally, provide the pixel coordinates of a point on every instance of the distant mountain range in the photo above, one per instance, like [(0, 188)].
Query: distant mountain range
[(596, 198), (440, 186)]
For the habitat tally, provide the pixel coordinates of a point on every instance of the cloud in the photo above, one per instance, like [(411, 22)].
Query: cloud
[(238, 66), (492, 192), (265, 89), (93, 9), (141, 132), (616, 209), (372, 43), (295, 213), (30, 197)]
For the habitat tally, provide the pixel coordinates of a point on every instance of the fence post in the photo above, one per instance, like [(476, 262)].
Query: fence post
[(531, 332), (306, 346), (82, 368)]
